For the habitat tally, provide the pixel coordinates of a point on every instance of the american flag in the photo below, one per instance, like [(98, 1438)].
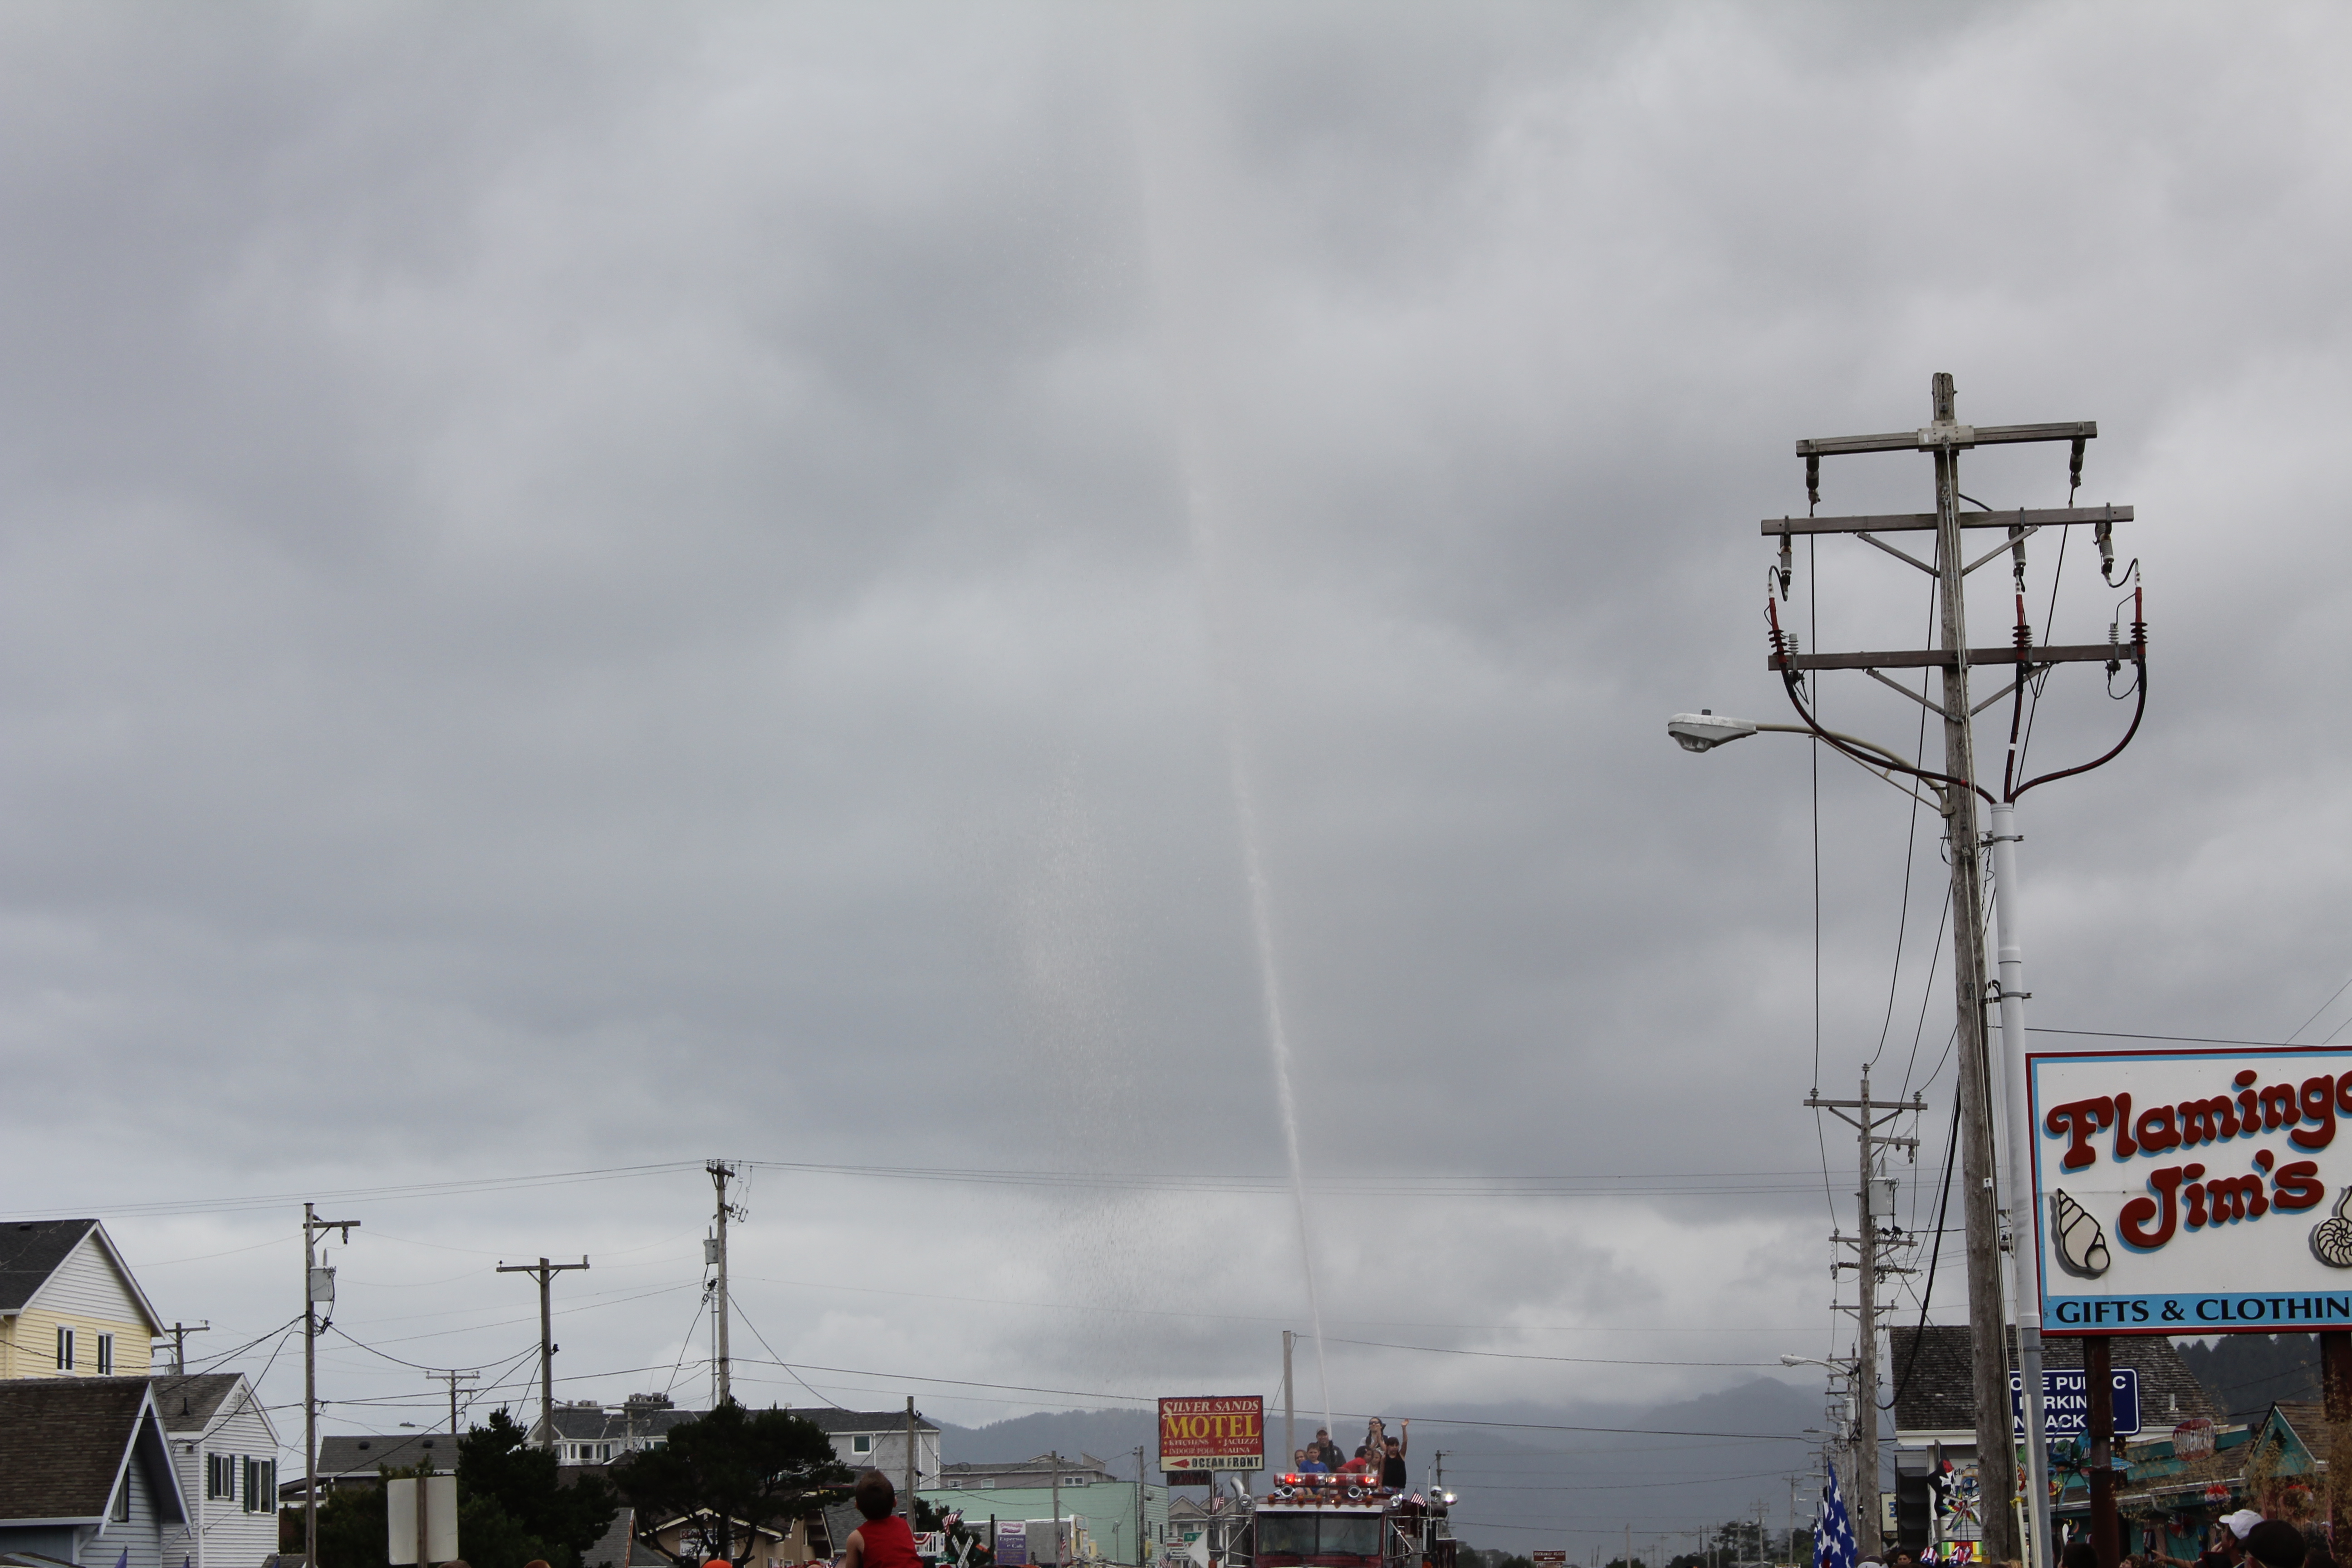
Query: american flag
[(1833, 1545)]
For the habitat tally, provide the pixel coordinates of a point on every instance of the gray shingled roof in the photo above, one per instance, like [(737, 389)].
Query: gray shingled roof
[(612, 1423), (620, 1548), (1937, 1396), (830, 1419), (359, 1455), (63, 1441), (30, 1252), (188, 1404)]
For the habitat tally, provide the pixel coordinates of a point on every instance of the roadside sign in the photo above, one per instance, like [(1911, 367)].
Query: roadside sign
[(1012, 1543), (1548, 1559), (438, 1512), (2192, 1192), (2066, 1400), (1215, 1434)]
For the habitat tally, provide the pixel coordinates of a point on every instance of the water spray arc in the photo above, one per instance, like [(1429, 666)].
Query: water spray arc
[(1179, 226), (1278, 1032)]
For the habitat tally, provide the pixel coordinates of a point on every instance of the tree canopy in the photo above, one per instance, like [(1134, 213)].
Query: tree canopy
[(511, 1508), (734, 1471)]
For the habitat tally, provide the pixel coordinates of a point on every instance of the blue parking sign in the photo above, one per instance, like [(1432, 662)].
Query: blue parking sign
[(2066, 1395)]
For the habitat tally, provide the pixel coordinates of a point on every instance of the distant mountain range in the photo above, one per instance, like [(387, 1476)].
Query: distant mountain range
[(1573, 1477)]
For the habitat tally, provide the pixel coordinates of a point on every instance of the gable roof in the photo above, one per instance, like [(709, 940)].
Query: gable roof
[(193, 1402), (65, 1441), (573, 1423), (32, 1250), (360, 1454), (1937, 1393), (831, 1420)]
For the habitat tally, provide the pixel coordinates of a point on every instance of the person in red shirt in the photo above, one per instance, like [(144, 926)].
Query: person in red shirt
[(885, 1540)]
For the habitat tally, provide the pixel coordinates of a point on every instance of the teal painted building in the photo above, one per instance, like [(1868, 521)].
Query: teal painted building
[(1105, 1512)]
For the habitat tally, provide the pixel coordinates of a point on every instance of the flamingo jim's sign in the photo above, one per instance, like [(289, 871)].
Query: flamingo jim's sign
[(2193, 1192)]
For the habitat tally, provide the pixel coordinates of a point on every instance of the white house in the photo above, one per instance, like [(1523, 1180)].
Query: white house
[(69, 1306), (225, 1451), (876, 1439)]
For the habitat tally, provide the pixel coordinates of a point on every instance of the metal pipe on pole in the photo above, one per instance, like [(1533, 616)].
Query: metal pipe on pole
[(2026, 1270)]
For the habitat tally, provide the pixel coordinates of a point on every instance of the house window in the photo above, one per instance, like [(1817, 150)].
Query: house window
[(121, 1511), (106, 1355), (604, 1450), (856, 1445), (220, 1477), (65, 1350), (260, 1484)]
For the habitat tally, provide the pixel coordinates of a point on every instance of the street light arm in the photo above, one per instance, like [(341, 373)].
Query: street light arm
[(1842, 738), (1846, 744)]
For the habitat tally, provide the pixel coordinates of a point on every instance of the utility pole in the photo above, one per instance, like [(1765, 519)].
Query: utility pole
[(1289, 1406), (317, 1285), (911, 1461), (545, 1272), (715, 1254), (1141, 1518), (1057, 1456), (453, 1378), (1866, 1118), (1958, 790), (180, 1332)]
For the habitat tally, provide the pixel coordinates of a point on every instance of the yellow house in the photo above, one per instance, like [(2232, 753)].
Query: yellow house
[(69, 1306)]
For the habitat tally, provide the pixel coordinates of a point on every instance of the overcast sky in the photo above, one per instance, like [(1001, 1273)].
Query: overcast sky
[(591, 587)]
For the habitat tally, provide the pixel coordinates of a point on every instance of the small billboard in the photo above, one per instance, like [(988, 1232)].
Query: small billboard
[(2192, 1190), (1212, 1434)]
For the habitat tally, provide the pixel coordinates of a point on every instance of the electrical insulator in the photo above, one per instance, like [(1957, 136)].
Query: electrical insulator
[(2075, 471), (1813, 479), (1788, 562), (2106, 534), (2114, 650)]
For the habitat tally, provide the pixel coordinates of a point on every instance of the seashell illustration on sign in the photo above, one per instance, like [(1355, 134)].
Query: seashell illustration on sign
[(2331, 1239), (2082, 1245)]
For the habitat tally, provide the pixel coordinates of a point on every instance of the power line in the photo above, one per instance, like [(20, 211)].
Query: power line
[(1522, 1355)]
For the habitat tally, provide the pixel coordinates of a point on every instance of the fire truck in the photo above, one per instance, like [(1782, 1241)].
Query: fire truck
[(1348, 1521)]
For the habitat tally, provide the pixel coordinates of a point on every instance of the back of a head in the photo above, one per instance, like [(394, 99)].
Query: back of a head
[(2079, 1554), (875, 1496), (2276, 1544)]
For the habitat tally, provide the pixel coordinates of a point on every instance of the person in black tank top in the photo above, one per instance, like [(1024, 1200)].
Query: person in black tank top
[(1392, 1472)]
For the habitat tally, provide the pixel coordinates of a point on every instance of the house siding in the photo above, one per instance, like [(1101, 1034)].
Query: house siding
[(223, 1533), (137, 1543), (89, 1295), (888, 1454), (48, 1541)]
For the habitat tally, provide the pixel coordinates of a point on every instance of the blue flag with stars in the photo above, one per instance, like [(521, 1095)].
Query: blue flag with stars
[(1833, 1545)]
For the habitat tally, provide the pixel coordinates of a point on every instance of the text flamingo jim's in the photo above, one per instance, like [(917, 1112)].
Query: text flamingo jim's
[(2185, 1192)]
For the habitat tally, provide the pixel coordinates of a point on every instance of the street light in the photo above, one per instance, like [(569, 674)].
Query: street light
[(1706, 730)]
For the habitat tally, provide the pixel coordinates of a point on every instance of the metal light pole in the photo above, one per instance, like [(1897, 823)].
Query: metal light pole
[(2025, 1264)]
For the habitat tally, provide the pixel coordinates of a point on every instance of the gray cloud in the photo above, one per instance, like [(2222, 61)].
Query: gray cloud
[(581, 588)]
